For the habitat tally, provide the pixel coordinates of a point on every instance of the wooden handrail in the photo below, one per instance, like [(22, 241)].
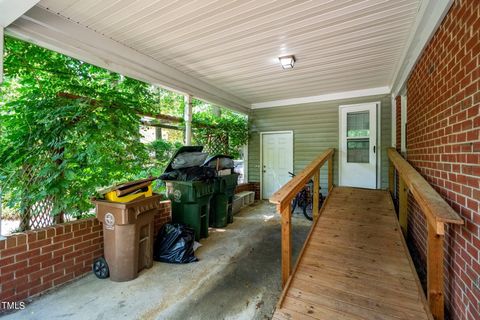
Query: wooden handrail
[(437, 213), (283, 199), (286, 193), (436, 209)]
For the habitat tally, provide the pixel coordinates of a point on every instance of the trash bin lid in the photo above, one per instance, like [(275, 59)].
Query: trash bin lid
[(216, 157), (184, 149), (224, 164)]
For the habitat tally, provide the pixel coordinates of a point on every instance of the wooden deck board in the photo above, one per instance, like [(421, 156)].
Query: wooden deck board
[(354, 265)]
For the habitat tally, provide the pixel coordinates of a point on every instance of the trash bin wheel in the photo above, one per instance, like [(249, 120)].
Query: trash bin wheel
[(100, 268)]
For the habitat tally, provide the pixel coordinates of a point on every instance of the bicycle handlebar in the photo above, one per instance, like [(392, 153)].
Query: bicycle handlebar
[(310, 181)]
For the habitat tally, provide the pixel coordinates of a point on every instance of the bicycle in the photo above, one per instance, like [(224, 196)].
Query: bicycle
[(304, 199)]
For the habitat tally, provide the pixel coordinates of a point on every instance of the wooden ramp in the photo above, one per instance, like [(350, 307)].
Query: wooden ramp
[(354, 265)]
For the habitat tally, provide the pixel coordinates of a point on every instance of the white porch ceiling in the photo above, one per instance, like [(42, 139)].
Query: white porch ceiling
[(340, 45)]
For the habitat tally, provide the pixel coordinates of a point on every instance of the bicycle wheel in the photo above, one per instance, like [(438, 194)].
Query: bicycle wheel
[(294, 204), (321, 199), (307, 207)]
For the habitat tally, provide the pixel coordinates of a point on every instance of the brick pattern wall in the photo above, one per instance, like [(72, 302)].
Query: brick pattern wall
[(444, 146), (163, 216), (37, 261), (398, 123), (251, 186)]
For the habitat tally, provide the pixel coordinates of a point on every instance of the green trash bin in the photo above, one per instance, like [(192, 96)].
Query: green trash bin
[(225, 184), (191, 204), (221, 203), (190, 199)]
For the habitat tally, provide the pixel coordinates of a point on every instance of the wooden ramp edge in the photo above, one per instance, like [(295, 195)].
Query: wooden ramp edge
[(354, 264)]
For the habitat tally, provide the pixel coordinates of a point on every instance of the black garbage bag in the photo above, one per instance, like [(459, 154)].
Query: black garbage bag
[(224, 162), (190, 174), (196, 174), (174, 244), (172, 175)]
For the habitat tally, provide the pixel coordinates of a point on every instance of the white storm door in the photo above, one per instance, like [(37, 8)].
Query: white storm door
[(277, 161), (358, 146)]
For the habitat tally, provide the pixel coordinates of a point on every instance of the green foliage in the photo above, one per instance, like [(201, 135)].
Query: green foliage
[(170, 103), (214, 131), (63, 149), (164, 151)]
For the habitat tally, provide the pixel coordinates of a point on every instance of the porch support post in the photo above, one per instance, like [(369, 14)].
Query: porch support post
[(188, 120), (435, 272), (316, 196), (286, 244), (391, 177), (158, 133), (330, 173), (217, 111)]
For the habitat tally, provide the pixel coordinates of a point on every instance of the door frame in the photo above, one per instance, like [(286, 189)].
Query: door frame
[(261, 154), (378, 108)]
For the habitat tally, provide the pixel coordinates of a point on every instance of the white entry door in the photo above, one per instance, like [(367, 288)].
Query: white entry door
[(277, 161), (358, 146)]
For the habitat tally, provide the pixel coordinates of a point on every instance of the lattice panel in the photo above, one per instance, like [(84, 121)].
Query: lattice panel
[(38, 215), (216, 144)]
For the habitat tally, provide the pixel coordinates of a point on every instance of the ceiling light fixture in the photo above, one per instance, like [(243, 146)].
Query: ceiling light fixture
[(287, 61)]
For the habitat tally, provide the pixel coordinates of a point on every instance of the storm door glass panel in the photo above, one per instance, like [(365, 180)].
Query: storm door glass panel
[(358, 150), (358, 137), (358, 124)]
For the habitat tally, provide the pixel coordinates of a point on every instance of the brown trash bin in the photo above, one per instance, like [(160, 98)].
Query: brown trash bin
[(128, 234)]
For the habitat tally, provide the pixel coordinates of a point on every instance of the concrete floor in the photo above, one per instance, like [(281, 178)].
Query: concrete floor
[(237, 277)]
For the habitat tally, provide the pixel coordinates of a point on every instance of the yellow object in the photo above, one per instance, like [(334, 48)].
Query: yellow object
[(112, 195)]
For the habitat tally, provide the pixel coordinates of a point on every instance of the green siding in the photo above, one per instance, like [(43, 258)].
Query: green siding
[(315, 128)]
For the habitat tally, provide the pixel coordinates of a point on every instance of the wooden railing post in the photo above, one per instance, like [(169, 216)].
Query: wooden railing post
[(435, 273), (316, 197), (391, 177), (286, 244), (437, 213), (283, 199), (330, 173), (403, 205)]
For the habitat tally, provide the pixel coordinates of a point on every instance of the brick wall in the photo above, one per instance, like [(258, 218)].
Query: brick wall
[(37, 261), (251, 186), (163, 216), (444, 146), (398, 123)]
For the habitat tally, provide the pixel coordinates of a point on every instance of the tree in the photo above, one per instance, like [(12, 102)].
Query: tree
[(52, 147), (68, 127)]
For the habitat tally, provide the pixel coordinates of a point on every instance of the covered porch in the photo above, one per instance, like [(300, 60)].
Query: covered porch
[(237, 277), (375, 103)]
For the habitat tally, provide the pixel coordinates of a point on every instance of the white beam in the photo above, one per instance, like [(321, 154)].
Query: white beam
[(323, 97), (56, 33), (188, 120), (429, 17), (11, 10)]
